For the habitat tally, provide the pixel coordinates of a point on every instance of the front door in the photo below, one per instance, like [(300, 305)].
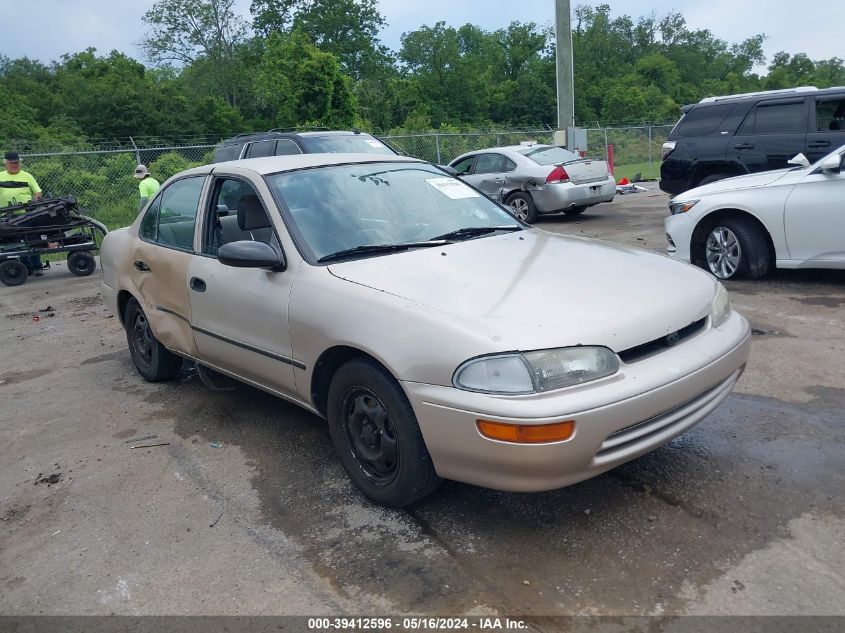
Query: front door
[(488, 176), (160, 258), (240, 315), (815, 219), (772, 133)]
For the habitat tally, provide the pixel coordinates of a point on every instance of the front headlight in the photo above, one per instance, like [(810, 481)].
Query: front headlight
[(535, 372), (721, 308), (681, 207)]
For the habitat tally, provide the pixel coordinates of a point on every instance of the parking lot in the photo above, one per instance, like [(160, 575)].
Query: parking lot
[(244, 508)]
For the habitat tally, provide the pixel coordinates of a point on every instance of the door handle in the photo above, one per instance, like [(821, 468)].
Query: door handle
[(141, 266), (197, 284), (500, 181), (818, 144), (744, 146)]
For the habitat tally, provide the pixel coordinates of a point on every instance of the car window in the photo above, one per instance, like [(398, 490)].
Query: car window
[(548, 154), (259, 149), (830, 115), (489, 164), (177, 213), (779, 118), (346, 144), (226, 152), (334, 208), (230, 198), (508, 165), (462, 167), (704, 121), (149, 224), (286, 147)]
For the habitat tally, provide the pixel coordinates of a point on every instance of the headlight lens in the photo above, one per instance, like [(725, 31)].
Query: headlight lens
[(721, 308), (681, 207), (534, 372)]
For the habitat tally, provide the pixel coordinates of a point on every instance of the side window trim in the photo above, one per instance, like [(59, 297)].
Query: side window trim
[(157, 201)]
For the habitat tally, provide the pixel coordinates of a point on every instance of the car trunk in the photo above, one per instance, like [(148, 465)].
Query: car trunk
[(585, 170)]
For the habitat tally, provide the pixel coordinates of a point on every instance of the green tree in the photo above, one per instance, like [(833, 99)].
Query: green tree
[(302, 84), (190, 32)]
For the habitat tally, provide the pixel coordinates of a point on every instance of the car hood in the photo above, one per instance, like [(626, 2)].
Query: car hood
[(533, 290), (737, 182)]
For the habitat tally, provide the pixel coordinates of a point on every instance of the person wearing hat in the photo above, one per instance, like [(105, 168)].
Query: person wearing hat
[(19, 187), (148, 185)]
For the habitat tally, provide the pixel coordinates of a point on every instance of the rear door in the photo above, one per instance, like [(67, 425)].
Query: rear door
[(160, 257), (827, 126), (773, 132)]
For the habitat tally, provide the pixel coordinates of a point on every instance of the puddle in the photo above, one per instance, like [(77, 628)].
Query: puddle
[(827, 302)]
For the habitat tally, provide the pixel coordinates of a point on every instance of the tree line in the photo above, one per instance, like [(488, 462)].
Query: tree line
[(210, 71)]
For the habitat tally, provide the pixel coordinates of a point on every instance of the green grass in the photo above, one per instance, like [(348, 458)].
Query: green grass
[(649, 171)]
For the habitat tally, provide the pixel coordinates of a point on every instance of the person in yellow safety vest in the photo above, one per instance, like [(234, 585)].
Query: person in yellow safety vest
[(19, 187), (148, 185)]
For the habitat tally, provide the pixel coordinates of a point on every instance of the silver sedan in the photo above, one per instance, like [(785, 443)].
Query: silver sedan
[(534, 179), (438, 335)]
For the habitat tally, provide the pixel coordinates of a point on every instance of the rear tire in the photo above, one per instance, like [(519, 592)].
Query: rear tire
[(574, 210), (375, 433), (13, 272), (736, 248), (522, 206), (81, 263), (152, 360)]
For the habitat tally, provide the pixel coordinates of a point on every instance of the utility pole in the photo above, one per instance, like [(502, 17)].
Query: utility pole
[(565, 72)]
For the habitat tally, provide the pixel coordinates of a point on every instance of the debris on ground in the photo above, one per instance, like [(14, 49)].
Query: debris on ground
[(47, 479), (629, 188), (215, 445), (47, 309), (213, 523), (151, 445)]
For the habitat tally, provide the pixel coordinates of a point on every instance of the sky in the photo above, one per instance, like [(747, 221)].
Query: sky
[(45, 29)]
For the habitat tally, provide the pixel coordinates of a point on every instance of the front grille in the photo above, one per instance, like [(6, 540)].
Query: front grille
[(633, 354), (644, 432)]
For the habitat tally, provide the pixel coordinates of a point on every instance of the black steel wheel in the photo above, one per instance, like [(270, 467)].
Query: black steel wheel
[(81, 263), (13, 272), (152, 360), (375, 433)]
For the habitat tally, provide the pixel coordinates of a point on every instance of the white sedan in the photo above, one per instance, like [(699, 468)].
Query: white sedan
[(741, 227)]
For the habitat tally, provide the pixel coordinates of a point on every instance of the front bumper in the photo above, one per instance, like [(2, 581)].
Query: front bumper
[(555, 197), (643, 406), (679, 229)]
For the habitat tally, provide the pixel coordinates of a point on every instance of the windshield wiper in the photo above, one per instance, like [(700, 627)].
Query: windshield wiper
[(379, 248), (474, 231)]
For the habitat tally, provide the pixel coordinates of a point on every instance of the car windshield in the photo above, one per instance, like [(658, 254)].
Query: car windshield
[(548, 155), (345, 144), (337, 208)]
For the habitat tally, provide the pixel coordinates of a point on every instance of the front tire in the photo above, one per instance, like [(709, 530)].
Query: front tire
[(81, 263), (376, 435), (152, 360), (13, 272), (522, 206), (736, 248)]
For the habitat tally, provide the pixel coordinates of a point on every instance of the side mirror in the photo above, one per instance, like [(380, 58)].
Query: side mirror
[(249, 254), (832, 164), (799, 159)]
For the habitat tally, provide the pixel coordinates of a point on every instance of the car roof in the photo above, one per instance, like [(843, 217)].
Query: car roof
[(276, 164), (506, 149), (271, 134)]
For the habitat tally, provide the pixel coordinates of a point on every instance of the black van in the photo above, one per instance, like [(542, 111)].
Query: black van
[(720, 137), (286, 142)]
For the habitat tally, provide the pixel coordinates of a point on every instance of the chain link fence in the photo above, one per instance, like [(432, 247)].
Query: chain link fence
[(102, 182)]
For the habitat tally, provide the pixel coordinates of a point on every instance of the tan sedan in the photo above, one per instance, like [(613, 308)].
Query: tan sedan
[(438, 335)]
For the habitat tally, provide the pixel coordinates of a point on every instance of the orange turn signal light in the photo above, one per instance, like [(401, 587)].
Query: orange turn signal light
[(527, 433)]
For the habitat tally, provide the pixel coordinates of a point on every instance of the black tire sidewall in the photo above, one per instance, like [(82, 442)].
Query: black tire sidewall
[(10, 264), (81, 256), (754, 260), (415, 477), (532, 210), (163, 363)]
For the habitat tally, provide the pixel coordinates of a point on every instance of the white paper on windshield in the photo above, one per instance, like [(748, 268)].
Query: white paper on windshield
[(452, 188), (374, 143)]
